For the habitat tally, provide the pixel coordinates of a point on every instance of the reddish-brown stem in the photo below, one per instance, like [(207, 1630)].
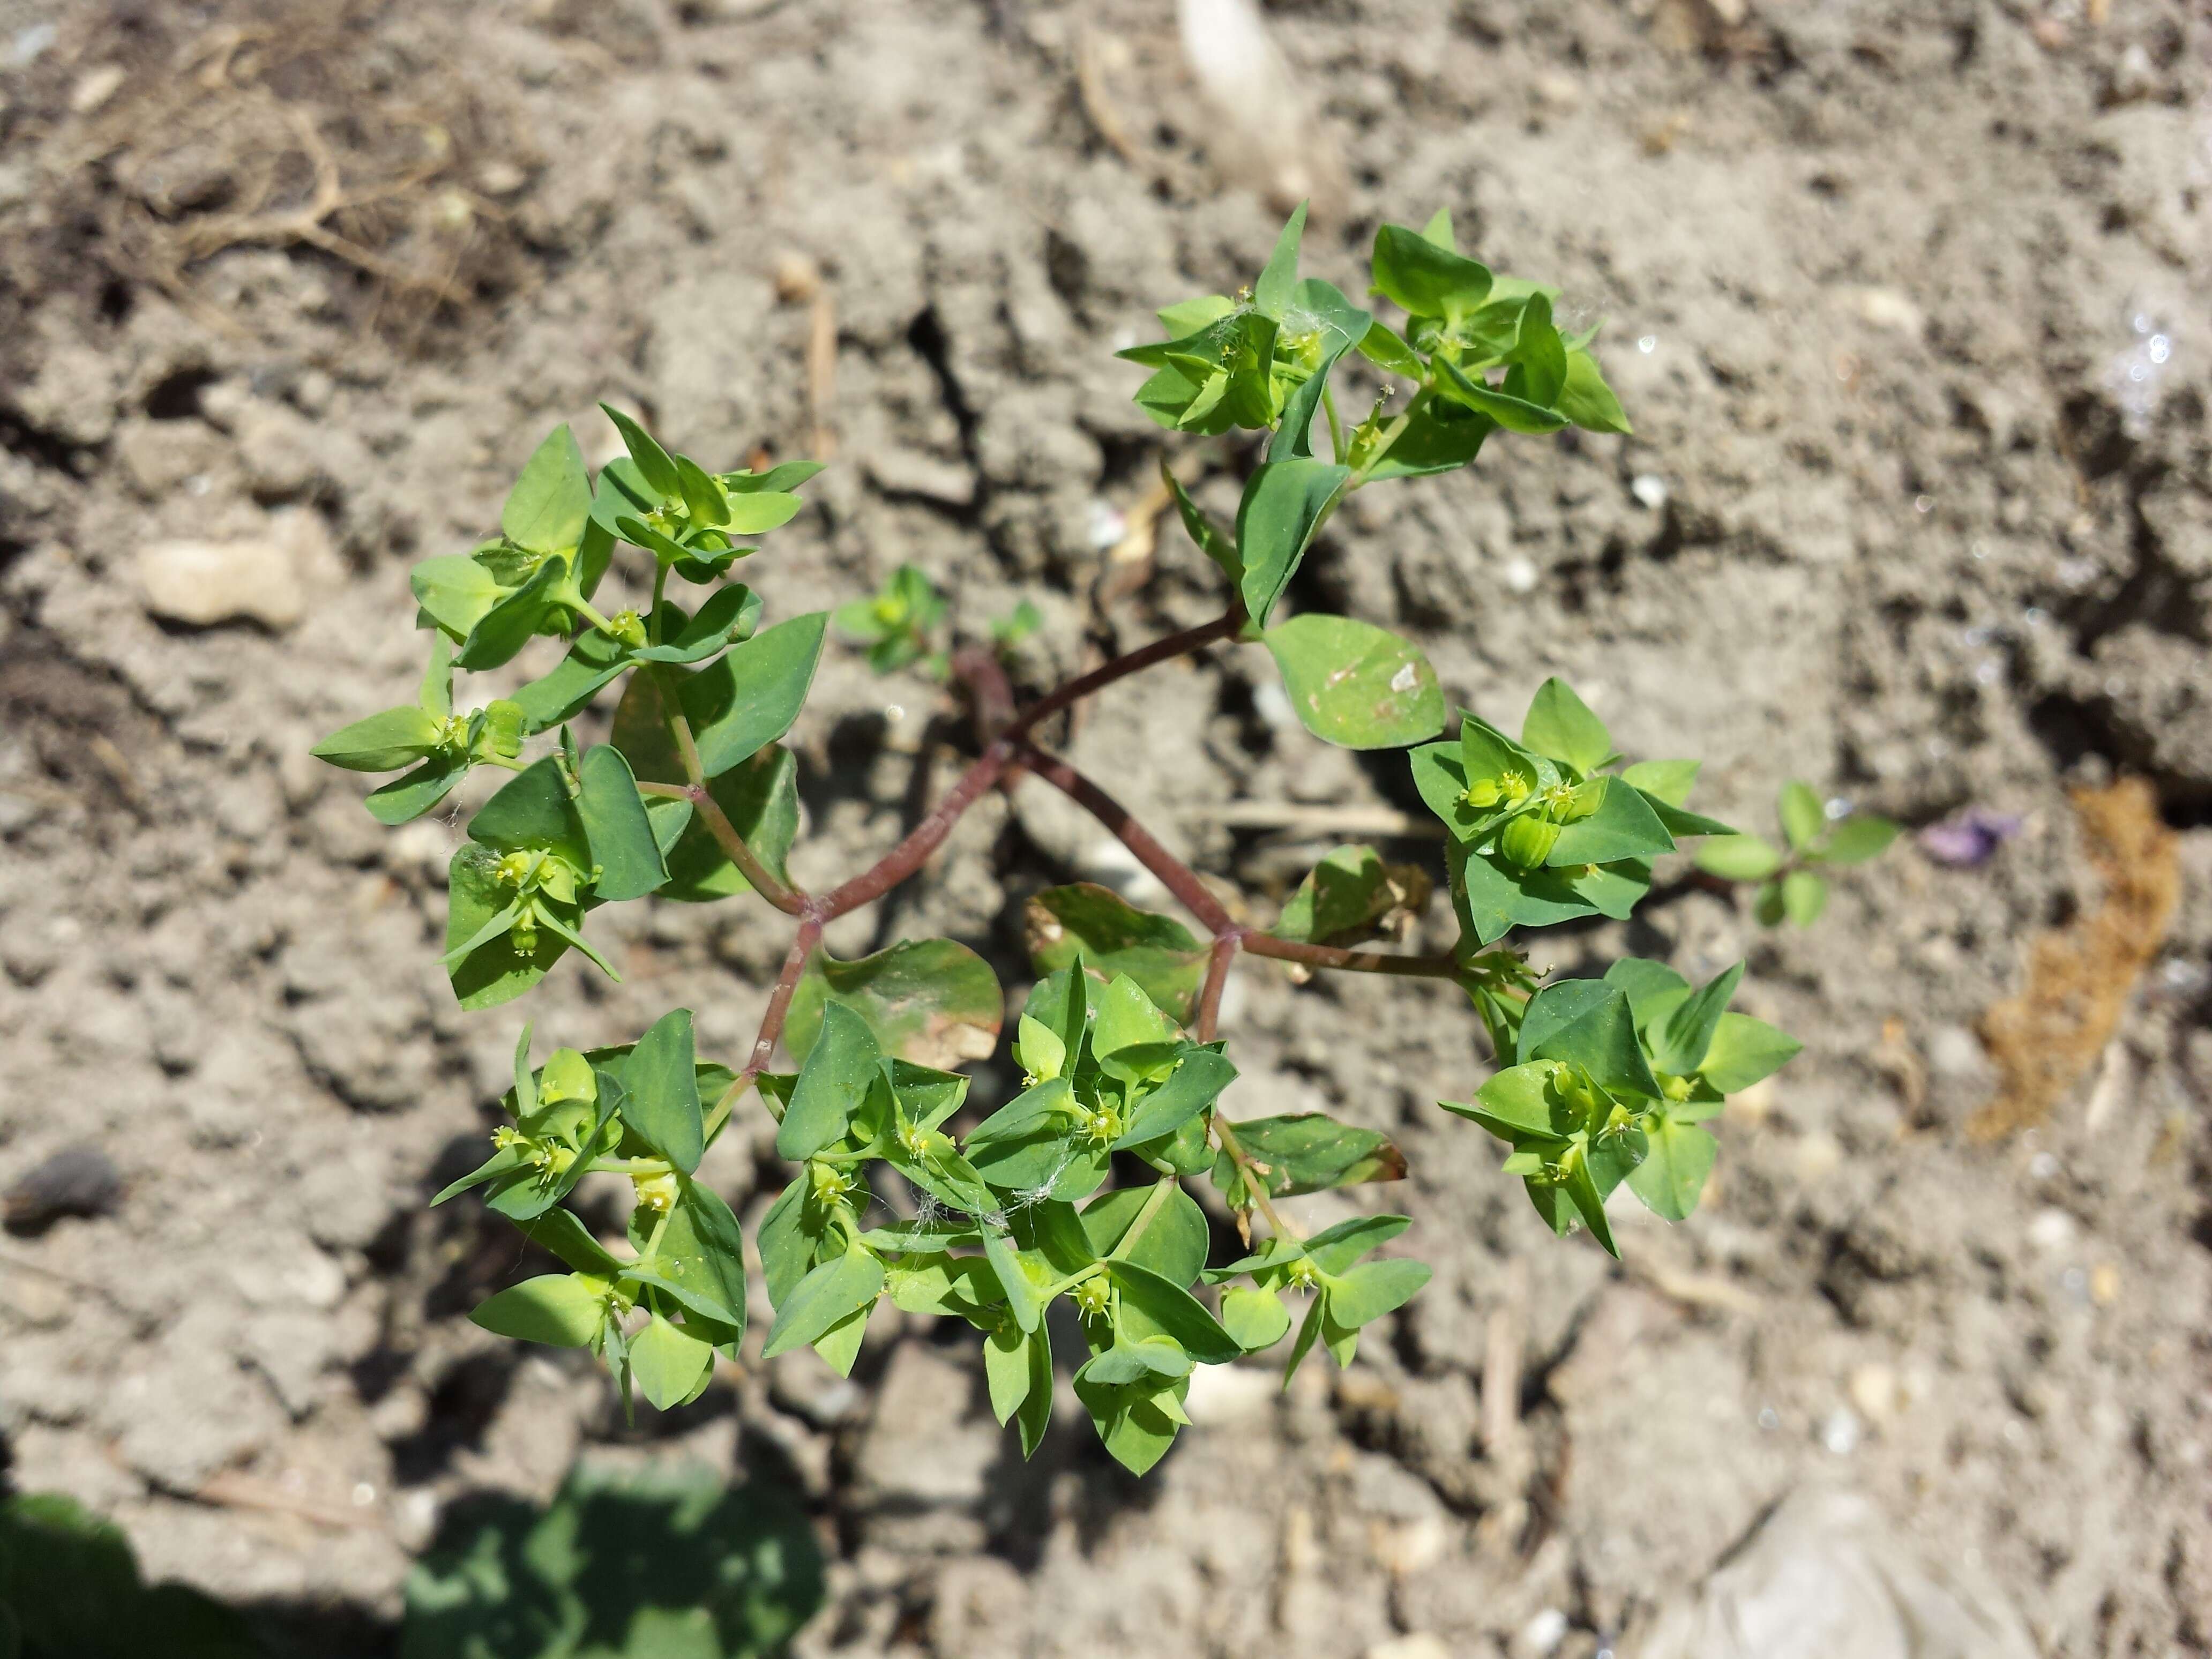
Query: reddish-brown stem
[(1217, 976), (910, 854), (1354, 961), (771, 1026), (1174, 875), (727, 836), (1225, 627)]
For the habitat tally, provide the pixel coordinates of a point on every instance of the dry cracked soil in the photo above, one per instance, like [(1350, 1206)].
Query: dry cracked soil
[(1907, 298)]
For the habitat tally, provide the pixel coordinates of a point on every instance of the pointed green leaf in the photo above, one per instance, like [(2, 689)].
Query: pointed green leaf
[(1560, 725), (1196, 1083), (1855, 840), (615, 828), (749, 697), (1803, 819), (1283, 505), (456, 591), (653, 465), (1587, 1023), (1624, 826), (1587, 400), (1427, 279), (1804, 895), (1674, 1170), (1278, 285), (1364, 1294), (1174, 1238), (382, 742), (533, 812), (1514, 414), (661, 1079), (547, 509), (1679, 1046), (827, 1296), (1739, 858), (1255, 1318), (1743, 1051), (563, 1233), (1310, 1152), (1153, 1306), (840, 1064), (564, 1311)]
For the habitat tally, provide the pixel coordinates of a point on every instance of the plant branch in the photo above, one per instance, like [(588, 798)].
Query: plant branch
[(727, 837), (1225, 947), (1177, 876), (1255, 1182), (1353, 962), (910, 854), (771, 1026), (1224, 627)]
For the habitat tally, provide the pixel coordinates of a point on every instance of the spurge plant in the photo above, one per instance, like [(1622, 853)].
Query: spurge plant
[(895, 1192)]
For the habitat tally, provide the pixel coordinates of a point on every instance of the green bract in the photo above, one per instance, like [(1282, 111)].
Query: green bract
[(1072, 1187)]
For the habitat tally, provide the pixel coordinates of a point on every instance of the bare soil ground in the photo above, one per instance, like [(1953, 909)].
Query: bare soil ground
[(1908, 302)]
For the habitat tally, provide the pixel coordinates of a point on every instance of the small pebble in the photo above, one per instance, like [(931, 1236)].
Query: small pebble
[(78, 1181)]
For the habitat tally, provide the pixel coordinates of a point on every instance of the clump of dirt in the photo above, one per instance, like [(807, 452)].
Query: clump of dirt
[(2080, 976), (291, 125)]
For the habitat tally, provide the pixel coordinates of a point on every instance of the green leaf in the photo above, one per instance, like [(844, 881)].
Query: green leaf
[(1354, 684), (1560, 725), (1581, 1189), (1587, 400), (1196, 1083), (669, 1365), (1113, 937), (1008, 1371), (1439, 436), (1278, 285), (1023, 1293), (564, 1311), (563, 1233), (382, 742), (1804, 895), (594, 661), (730, 614), (1255, 1318), (1310, 1152), (1344, 896), (1175, 1235), (660, 1078), (1739, 858), (1519, 1103), (1338, 325), (1493, 897), (1283, 505), (776, 480), (533, 812), (840, 1064), (508, 625), (623, 852), (933, 1001), (1136, 1422), (1679, 1046), (1803, 819), (1624, 826), (456, 591), (703, 500), (1382, 346), (749, 697), (1855, 840), (756, 514), (1668, 781), (1153, 1306), (827, 1296), (1191, 316), (1335, 1248), (492, 970), (1366, 1292), (1428, 279), (547, 509), (1587, 1023), (653, 465), (1674, 1168), (1744, 1050), (1514, 414), (408, 798), (1135, 1361)]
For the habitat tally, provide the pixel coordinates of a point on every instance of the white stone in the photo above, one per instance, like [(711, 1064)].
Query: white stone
[(202, 583)]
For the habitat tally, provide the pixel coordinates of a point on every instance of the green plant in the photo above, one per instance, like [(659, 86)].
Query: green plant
[(1791, 885), (659, 1564), (692, 798), (70, 1588)]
